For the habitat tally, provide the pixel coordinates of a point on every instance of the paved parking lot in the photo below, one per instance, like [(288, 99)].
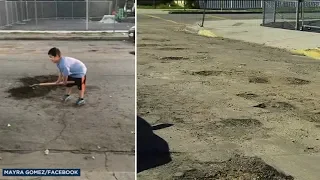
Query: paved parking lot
[(97, 137)]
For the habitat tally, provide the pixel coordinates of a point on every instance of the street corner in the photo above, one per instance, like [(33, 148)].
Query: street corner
[(312, 53)]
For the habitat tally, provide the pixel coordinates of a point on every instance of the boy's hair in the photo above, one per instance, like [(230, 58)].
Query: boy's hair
[(54, 52)]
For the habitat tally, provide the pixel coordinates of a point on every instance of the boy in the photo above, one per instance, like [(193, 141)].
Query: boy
[(71, 69)]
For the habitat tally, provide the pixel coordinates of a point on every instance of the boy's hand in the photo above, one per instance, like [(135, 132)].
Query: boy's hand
[(58, 81)]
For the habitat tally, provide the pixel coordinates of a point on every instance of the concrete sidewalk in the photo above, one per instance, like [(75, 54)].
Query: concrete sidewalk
[(300, 42)]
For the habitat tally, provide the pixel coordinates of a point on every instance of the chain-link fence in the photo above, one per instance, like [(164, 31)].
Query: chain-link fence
[(281, 14), (61, 16), (294, 14), (310, 15)]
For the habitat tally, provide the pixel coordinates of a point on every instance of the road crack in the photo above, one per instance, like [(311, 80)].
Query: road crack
[(64, 123)]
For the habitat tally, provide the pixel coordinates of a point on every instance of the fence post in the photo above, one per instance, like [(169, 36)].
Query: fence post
[(27, 11), (87, 14), (41, 9), (263, 12), (21, 11), (16, 6), (7, 12), (297, 14), (35, 12), (12, 20), (56, 10), (302, 14), (72, 9), (275, 11)]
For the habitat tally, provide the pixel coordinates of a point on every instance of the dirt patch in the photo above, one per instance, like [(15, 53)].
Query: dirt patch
[(173, 58), (261, 80), (238, 167), (237, 24), (247, 95), (241, 123), (25, 92), (296, 81), (207, 73)]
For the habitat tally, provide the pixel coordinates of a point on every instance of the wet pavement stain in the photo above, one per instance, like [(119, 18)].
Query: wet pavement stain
[(26, 92)]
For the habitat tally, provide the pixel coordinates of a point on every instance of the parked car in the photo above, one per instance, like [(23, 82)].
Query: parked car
[(131, 33)]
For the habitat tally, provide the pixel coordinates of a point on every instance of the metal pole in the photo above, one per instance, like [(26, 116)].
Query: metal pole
[(275, 11), (41, 9), (302, 15), (204, 13), (184, 5), (7, 12), (87, 14), (297, 15), (16, 6), (27, 10), (72, 9), (12, 20), (35, 12), (21, 11), (56, 10), (264, 13)]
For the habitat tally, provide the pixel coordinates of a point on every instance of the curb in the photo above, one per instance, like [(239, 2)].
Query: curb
[(214, 12), (312, 53), (201, 32), (48, 35), (65, 38)]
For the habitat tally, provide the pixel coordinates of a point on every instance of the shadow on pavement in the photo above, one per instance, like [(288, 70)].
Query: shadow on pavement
[(152, 150)]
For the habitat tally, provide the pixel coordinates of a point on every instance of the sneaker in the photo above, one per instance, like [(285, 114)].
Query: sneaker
[(80, 102), (65, 97)]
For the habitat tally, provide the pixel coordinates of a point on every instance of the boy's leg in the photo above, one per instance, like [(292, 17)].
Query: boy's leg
[(68, 90), (82, 88)]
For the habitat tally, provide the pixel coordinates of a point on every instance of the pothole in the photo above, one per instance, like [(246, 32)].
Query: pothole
[(207, 73), (247, 95), (132, 52), (276, 105), (171, 48), (93, 50), (297, 81), (282, 106), (155, 39), (147, 45), (238, 167), (313, 117), (173, 58), (25, 91), (262, 80)]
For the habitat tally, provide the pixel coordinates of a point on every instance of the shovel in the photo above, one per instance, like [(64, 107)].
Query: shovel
[(50, 84)]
